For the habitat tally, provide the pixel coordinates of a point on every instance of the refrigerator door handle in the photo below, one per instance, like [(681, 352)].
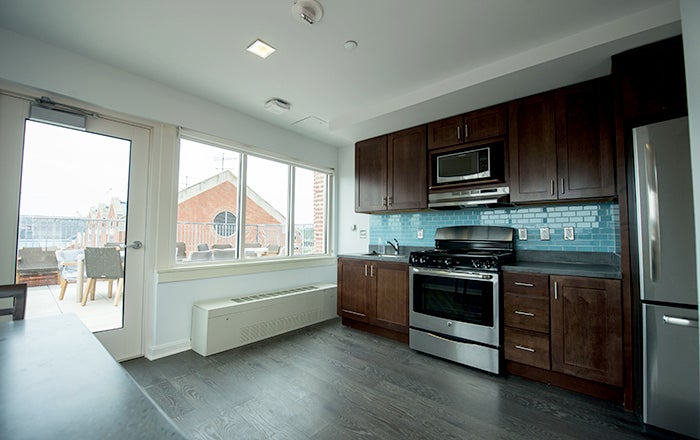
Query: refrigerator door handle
[(682, 322), (654, 228)]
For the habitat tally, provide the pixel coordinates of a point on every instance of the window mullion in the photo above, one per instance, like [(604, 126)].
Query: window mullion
[(290, 212), (241, 194)]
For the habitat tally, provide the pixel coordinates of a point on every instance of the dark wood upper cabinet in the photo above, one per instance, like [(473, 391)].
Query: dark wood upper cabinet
[(371, 175), (586, 328), (585, 164), (532, 148), (470, 127), (561, 144), (650, 82), (390, 172)]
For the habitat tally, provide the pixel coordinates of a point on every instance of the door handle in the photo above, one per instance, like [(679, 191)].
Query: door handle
[(134, 245), (682, 322)]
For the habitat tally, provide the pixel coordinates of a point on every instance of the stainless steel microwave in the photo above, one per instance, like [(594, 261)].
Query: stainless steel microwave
[(463, 165)]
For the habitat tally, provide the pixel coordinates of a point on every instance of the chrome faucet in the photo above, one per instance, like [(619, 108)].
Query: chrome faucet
[(396, 248)]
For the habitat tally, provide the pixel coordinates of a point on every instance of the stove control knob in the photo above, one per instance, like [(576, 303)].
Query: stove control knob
[(488, 264), (476, 263)]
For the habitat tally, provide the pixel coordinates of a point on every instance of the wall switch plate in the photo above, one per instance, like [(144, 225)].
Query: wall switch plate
[(363, 233), (522, 234), (419, 233), (569, 233), (544, 233)]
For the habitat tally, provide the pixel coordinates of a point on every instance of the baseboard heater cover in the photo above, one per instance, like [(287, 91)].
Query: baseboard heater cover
[(223, 324)]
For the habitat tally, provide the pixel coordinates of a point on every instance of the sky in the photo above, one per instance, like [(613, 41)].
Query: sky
[(66, 171)]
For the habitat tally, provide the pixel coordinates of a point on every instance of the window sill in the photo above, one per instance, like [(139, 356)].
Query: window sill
[(223, 269)]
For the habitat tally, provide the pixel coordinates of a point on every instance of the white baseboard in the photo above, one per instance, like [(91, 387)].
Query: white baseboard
[(169, 349)]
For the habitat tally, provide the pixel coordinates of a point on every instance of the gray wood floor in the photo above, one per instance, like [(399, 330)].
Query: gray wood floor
[(331, 382)]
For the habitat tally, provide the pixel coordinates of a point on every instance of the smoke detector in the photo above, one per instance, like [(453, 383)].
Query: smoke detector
[(277, 106), (307, 11)]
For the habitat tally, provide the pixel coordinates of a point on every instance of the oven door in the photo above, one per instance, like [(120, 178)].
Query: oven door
[(463, 305)]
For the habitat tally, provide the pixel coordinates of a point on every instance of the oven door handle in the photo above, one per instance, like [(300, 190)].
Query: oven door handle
[(487, 277)]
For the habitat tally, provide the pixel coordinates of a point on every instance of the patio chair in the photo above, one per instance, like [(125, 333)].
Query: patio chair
[(102, 264), (200, 255), (180, 250), (202, 247), (223, 254), (68, 268), (222, 246), (18, 295)]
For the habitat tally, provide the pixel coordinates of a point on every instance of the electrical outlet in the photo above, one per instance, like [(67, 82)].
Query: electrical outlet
[(363, 233), (568, 233), (522, 234), (419, 233), (544, 233)]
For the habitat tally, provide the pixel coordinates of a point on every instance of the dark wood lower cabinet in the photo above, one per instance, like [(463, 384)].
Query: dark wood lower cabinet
[(567, 333), (373, 296)]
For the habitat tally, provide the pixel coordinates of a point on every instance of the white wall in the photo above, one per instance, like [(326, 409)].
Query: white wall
[(349, 223), (690, 16), (58, 72)]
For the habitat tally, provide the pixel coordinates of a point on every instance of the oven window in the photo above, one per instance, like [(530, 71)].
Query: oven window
[(454, 298)]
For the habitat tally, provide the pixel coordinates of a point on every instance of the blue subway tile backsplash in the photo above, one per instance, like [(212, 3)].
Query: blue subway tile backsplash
[(596, 225)]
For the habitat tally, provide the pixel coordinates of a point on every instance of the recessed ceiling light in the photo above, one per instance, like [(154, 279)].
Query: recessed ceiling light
[(260, 48), (350, 44), (277, 106)]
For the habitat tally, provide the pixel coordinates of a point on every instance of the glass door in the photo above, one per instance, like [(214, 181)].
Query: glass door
[(82, 225)]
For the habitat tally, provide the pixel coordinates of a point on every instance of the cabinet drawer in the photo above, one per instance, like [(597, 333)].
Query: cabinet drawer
[(527, 347), (526, 312), (526, 284)]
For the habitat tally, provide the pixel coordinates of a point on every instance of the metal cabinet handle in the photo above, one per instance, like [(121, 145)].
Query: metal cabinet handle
[(466, 131), (458, 133), (391, 200), (383, 201), (371, 271), (563, 187), (518, 283), (528, 349), (556, 290), (518, 312), (683, 322), (552, 182), (365, 270)]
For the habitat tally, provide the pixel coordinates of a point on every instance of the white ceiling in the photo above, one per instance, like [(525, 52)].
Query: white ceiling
[(417, 60)]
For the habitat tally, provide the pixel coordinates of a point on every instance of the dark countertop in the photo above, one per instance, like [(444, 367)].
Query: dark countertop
[(60, 382), (584, 264), (385, 258)]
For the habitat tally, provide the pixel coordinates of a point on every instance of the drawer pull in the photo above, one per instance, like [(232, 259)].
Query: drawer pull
[(517, 283), (528, 349), (518, 312)]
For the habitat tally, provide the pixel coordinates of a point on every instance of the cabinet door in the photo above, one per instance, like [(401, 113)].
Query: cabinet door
[(485, 123), (407, 159), (371, 175), (389, 308), (445, 133), (532, 147), (586, 328), (585, 162), (353, 289)]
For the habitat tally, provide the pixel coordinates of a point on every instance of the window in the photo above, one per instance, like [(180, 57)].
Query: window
[(280, 211)]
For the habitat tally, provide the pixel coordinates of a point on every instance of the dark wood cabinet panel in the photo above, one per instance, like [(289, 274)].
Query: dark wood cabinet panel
[(526, 312), (585, 163), (389, 308), (471, 127), (586, 328), (407, 170), (532, 147), (375, 293), (650, 81), (526, 347), (445, 133), (371, 175), (391, 172), (530, 284), (353, 289), (561, 144)]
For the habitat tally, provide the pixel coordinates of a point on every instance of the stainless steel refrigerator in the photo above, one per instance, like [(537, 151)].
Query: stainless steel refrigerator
[(667, 276)]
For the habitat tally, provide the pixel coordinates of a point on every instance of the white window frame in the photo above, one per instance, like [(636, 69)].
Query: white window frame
[(244, 152)]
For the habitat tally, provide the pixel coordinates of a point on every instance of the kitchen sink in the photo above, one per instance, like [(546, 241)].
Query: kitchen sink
[(375, 254)]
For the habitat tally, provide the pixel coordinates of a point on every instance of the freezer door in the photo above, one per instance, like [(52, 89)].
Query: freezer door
[(671, 390), (665, 220)]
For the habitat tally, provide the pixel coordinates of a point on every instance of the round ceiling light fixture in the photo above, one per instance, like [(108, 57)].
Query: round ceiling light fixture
[(307, 11)]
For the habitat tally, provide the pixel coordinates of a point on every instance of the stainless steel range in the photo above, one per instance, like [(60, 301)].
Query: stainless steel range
[(455, 299)]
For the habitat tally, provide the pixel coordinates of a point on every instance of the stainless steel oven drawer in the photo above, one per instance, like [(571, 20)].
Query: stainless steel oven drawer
[(473, 355)]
